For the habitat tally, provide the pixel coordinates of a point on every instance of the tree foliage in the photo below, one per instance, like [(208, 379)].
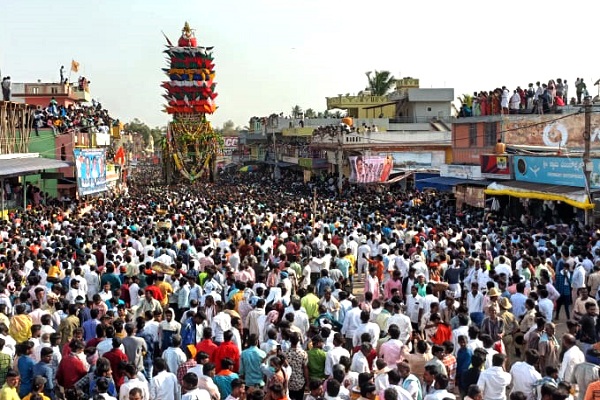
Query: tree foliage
[(380, 82), (140, 127)]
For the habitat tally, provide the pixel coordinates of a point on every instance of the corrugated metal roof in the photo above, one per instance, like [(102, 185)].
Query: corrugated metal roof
[(28, 166)]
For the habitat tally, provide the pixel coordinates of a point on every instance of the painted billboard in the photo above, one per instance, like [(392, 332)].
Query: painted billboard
[(495, 164), (564, 171), (91, 170), (370, 169), (564, 131), (230, 145)]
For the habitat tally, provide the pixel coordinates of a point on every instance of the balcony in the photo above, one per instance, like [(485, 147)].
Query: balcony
[(305, 131), (388, 138), (81, 95)]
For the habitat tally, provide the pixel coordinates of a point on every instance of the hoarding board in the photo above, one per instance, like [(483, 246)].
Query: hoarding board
[(91, 170), (370, 169)]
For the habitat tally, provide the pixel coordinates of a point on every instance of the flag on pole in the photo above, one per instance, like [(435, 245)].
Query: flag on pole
[(74, 66), (120, 156)]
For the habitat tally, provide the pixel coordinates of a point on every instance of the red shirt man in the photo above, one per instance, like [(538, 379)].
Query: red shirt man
[(206, 345), (115, 356), (71, 369), (227, 349)]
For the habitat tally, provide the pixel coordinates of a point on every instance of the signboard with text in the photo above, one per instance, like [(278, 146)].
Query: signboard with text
[(565, 171)]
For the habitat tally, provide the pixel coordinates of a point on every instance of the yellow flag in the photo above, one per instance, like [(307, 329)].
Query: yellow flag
[(74, 66)]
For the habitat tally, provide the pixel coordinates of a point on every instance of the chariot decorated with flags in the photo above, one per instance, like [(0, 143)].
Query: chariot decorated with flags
[(191, 145)]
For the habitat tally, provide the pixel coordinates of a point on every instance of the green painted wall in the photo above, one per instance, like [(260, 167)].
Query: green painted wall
[(45, 144)]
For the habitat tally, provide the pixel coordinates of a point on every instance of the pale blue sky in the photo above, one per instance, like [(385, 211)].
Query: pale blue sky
[(273, 54)]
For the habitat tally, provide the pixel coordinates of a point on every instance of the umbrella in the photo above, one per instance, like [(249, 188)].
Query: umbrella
[(249, 168)]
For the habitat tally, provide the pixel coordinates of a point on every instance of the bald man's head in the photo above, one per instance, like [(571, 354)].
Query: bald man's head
[(569, 340)]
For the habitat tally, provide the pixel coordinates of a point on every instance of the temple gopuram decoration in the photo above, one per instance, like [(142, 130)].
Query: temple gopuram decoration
[(191, 145)]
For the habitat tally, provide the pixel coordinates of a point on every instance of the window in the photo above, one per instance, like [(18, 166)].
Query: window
[(473, 135), (35, 90), (54, 90), (428, 109), (491, 131)]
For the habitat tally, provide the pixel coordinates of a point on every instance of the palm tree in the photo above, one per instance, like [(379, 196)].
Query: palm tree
[(296, 111), (380, 83), (309, 113)]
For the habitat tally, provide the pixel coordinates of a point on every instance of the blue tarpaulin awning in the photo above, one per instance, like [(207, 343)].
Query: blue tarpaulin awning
[(445, 181)]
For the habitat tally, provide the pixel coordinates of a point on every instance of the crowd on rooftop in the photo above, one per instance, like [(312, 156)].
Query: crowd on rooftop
[(83, 117), (541, 99), (333, 130)]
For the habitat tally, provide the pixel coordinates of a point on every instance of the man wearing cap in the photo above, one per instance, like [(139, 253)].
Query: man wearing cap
[(492, 300)]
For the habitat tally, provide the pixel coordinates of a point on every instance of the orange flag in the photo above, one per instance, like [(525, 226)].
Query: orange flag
[(74, 66)]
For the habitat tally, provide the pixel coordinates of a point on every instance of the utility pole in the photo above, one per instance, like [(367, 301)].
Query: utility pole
[(272, 122), (587, 163)]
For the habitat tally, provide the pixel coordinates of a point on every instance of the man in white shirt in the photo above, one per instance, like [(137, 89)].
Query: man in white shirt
[(494, 381), (173, 355), (402, 321), (360, 362), (220, 322), (334, 355), (545, 305), (133, 382), (351, 322), (163, 386), (190, 386), (503, 267), (475, 304), (414, 307), (524, 375), (366, 327), (573, 356), (577, 280), (440, 391)]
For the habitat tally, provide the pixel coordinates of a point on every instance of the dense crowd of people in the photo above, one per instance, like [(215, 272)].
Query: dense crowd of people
[(541, 99), (260, 290), (333, 130)]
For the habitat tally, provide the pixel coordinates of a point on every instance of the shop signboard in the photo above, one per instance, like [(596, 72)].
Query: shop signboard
[(563, 171)]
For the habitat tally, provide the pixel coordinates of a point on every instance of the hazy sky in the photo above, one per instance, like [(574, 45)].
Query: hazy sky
[(273, 54)]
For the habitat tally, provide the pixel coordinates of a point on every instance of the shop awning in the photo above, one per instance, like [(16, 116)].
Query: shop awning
[(280, 164), (28, 165), (571, 195), (397, 179), (441, 180)]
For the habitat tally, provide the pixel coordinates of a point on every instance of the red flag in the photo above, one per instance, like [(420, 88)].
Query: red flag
[(120, 156)]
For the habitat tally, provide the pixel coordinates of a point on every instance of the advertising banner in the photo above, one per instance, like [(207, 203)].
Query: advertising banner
[(546, 130), (91, 170), (565, 171), (495, 164), (370, 169), (230, 145)]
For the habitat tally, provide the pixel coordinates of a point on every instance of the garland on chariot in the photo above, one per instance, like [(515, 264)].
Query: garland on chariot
[(191, 144)]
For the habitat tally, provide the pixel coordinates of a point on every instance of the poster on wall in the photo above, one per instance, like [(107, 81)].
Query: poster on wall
[(370, 169), (91, 170)]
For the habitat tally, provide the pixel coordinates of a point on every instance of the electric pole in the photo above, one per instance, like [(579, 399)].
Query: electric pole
[(587, 163)]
